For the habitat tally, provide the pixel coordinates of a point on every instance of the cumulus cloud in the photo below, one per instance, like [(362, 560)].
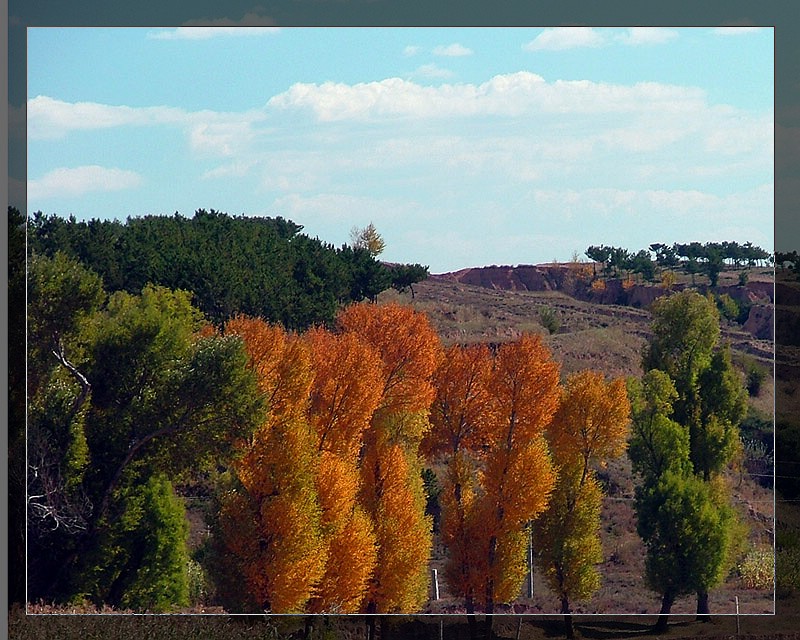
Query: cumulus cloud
[(431, 71), (452, 50), (411, 50), (512, 94), (560, 38), (209, 133), (636, 36), (50, 118), (78, 181)]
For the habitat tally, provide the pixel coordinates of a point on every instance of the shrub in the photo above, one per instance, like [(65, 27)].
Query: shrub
[(728, 307), (549, 319), (755, 378), (787, 571), (757, 569)]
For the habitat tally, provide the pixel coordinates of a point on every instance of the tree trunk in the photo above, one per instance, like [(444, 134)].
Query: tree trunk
[(371, 609), (703, 611), (472, 621), (663, 617), (569, 629)]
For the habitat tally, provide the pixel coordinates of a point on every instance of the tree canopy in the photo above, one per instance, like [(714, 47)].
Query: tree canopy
[(257, 266)]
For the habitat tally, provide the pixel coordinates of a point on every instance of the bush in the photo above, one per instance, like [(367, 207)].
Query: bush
[(549, 319), (757, 569), (755, 378), (728, 307), (787, 571)]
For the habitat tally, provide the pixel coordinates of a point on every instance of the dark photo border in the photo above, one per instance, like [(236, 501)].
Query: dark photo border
[(781, 14)]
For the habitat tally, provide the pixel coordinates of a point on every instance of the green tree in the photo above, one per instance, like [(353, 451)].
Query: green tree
[(709, 400), (687, 532), (405, 276), (129, 390), (141, 559)]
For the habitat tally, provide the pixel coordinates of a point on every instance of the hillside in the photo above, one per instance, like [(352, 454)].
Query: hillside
[(604, 330)]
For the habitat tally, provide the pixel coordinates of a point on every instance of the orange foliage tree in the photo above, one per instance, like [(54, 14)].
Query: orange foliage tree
[(347, 389), (392, 490), (590, 425), (518, 475), (459, 417), (271, 521), (489, 418)]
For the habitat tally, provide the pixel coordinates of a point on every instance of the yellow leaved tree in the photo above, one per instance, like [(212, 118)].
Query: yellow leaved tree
[(590, 426), (271, 520), (392, 491)]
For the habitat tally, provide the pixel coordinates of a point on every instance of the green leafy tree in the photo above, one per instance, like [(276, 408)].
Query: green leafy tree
[(709, 400), (405, 276), (118, 394), (687, 532), (141, 560), (250, 265)]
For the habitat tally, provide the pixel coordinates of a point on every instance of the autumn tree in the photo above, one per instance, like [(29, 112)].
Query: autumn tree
[(590, 426), (459, 418), (392, 490), (346, 391), (270, 520), (367, 238), (517, 475)]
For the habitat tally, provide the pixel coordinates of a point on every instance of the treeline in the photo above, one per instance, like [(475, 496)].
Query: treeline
[(312, 446), (232, 264), (709, 258)]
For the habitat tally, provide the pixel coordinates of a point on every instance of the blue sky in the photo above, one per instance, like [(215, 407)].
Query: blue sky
[(464, 147)]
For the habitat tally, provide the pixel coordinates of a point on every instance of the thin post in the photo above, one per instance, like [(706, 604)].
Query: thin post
[(738, 628), (435, 584), (530, 559)]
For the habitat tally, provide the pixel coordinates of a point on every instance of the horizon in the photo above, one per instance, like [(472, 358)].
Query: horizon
[(465, 147)]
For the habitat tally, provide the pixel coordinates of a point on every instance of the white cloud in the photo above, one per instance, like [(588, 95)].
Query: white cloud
[(514, 94), (452, 50), (78, 181), (683, 204), (411, 50), (49, 118), (735, 31), (560, 38), (636, 36), (341, 208), (220, 138), (431, 71)]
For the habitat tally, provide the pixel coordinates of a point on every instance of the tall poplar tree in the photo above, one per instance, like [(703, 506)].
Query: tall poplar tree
[(590, 426)]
